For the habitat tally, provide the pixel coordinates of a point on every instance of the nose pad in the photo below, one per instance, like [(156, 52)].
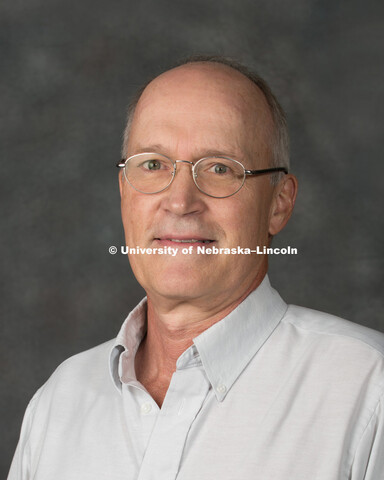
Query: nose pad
[(183, 161), (183, 196), (193, 173)]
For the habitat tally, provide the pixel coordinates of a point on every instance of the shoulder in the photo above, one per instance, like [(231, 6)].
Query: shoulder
[(335, 330), (346, 349), (81, 384), (85, 371), (337, 350), (341, 359), (91, 362)]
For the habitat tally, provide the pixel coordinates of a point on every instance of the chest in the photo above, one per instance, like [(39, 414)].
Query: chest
[(277, 432)]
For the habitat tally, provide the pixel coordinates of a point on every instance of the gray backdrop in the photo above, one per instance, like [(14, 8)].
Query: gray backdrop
[(68, 69)]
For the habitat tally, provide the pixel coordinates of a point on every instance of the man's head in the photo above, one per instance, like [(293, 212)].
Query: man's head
[(193, 111)]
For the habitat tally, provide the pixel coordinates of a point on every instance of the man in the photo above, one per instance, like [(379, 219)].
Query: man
[(213, 376)]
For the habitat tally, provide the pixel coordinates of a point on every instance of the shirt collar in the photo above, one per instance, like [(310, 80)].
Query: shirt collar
[(126, 344), (224, 349), (228, 346)]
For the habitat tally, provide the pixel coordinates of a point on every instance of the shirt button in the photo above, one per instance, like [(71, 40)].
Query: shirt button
[(221, 388), (146, 408)]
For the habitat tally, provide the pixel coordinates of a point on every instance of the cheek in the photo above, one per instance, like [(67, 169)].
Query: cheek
[(247, 221), (138, 212), (130, 218)]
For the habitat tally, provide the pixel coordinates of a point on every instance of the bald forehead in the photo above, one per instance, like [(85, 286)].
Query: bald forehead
[(209, 105), (236, 88)]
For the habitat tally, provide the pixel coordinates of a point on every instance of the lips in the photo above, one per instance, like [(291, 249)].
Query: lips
[(172, 240), (189, 240)]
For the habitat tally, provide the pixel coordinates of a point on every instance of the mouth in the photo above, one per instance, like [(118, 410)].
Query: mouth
[(183, 241)]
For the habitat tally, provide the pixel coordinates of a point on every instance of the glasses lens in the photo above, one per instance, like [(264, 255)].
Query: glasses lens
[(219, 176), (149, 172)]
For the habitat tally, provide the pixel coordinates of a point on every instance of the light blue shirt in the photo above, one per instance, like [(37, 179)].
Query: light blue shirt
[(271, 392)]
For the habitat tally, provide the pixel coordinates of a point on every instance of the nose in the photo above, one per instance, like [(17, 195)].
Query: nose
[(182, 197)]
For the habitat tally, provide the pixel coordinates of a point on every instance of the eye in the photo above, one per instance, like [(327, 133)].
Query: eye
[(217, 167), (220, 169), (154, 165)]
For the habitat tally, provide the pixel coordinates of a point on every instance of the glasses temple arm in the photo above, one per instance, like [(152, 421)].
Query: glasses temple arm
[(266, 170)]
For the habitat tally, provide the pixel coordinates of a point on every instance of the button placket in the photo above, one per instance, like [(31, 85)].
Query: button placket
[(184, 399)]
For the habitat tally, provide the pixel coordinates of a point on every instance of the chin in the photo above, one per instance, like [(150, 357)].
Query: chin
[(177, 284)]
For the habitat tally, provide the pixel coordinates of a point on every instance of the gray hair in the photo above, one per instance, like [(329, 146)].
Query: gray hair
[(280, 141)]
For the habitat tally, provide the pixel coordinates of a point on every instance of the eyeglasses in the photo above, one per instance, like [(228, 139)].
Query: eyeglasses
[(218, 177)]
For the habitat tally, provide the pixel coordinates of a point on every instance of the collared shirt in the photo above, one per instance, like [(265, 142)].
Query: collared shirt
[(271, 392)]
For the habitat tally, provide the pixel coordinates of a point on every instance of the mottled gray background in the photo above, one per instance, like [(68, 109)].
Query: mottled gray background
[(68, 69)]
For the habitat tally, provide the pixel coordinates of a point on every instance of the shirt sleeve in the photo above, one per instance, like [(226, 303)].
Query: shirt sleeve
[(368, 463), (20, 467)]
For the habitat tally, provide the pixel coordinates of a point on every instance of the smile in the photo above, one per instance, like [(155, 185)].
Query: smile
[(192, 240), (189, 240)]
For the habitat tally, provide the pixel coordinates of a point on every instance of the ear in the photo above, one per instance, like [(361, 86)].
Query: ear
[(282, 204)]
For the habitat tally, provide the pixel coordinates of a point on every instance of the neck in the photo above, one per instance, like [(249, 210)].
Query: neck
[(170, 331)]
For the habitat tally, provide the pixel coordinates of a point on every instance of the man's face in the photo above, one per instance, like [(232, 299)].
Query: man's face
[(188, 113)]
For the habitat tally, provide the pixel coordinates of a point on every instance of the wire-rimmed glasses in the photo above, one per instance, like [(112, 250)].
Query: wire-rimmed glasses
[(216, 176)]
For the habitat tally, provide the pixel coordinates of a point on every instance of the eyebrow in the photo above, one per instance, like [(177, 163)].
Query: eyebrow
[(158, 148)]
